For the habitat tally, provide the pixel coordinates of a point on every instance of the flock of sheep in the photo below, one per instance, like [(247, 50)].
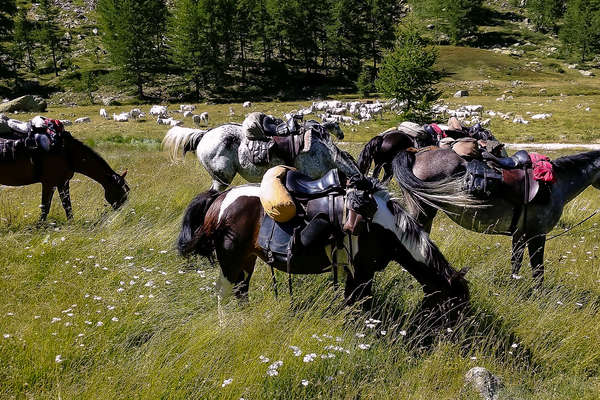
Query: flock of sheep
[(161, 114)]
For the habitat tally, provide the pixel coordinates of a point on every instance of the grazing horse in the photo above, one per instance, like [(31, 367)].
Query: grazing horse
[(54, 169), (220, 153), (383, 148), (418, 174), (228, 223)]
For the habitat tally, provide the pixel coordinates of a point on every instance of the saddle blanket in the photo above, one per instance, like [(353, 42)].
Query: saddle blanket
[(543, 170)]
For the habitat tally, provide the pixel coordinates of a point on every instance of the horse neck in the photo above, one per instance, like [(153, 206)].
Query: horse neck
[(343, 161), (573, 180), (85, 161)]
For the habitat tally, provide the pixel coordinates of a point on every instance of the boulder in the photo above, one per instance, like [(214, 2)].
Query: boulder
[(483, 381), (461, 93), (24, 104), (83, 120), (4, 128), (586, 73)]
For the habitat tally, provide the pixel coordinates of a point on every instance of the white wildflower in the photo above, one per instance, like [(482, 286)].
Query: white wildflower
[(263, 359), (296, 350), (309, 357), (364, 346), (305, 382), (226, 382), (58, 358)]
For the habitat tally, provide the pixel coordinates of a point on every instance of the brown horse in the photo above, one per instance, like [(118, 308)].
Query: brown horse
[(422, 173), (54, 169), (228, 223)]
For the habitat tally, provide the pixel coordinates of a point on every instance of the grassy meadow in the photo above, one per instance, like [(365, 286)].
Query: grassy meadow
[(103, 307)]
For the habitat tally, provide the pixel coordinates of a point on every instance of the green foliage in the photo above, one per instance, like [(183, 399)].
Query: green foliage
[(132, 31), (7, 10), (88, 84), (366, 83), (24, 38), (580, 33), (546, 13), (457, 18), (50, 32), (408, 73)]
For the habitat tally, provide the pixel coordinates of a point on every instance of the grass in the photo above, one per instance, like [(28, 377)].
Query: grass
[(127, 318)]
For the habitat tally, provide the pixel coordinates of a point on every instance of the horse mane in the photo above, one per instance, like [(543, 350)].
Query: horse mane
[(575, 160), (365, 158), (90, 152), (417, 238)]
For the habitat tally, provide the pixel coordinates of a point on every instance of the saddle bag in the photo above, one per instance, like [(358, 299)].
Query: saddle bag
[(480, 180)]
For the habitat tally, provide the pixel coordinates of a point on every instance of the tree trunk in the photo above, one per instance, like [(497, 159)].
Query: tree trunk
[(54, 60)]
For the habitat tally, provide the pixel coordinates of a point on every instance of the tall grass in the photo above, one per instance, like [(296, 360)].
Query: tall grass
[(103, 307)]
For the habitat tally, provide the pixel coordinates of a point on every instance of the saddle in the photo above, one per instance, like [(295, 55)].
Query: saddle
[(319, 212), (517, 181)]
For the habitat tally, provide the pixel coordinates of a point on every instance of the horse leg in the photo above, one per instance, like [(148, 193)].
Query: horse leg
[(358, 287), (518, 248), (47, 193), (241, 289), (65, 198), (536, 246), (388, 173)]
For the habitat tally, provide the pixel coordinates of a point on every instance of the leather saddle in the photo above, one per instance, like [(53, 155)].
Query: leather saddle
[(288, 147), (319, 197), (517, 176)]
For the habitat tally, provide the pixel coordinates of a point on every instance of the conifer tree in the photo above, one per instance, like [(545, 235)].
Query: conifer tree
[(50, 31), (407, 73), (7, 11), (24, 38), (546, 13), (581, 28), (132, 32)]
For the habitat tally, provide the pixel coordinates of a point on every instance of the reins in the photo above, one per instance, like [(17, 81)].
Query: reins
[(574, 226)]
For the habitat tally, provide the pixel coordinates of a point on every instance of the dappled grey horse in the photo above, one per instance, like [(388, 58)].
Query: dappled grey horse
[(426, 177), (220, 153)]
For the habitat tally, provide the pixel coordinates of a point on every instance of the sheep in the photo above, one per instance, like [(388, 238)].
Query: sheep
[(187, 114), (204, 117), (159, 111), (103, 113), (135, 113), (231, 113), (123, 117), (247, 104), (184, 108)]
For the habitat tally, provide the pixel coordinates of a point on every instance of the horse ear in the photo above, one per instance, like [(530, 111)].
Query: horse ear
[(124, 174), (464, 271)]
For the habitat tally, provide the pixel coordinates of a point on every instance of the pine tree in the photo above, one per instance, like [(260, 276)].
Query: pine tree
[(546, 13), (50, 31), (24, 38), (346, 36), (190, 47), (581, 29), (407, 73), (7, 11), (132, 32), (458, 18)]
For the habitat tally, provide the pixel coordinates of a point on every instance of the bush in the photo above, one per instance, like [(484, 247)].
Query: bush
[(365, 83)]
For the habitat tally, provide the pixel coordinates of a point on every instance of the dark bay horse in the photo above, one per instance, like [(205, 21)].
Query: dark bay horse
[(418, 174), (228, 223), (54, 170), (382, 149)]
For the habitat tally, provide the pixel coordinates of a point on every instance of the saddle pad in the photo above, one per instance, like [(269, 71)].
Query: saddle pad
[(275, 237)]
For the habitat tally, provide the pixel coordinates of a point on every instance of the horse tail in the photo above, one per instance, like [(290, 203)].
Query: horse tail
[(194, 238), (179, 141), (365, 158), (436, 194)]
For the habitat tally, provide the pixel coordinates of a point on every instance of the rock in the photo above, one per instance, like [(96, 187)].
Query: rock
[(485, 122), (109, 101), (95, 31), (516, 83), (586, 73), (519, 120), (572, 66), (67, 36), (24, 104), (83, 120), (483, 381), (430, 26), (461, 93), (542, 91), (66, 122)]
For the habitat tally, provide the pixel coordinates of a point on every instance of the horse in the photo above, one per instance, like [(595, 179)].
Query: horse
[(227, 223), (219, 152), (54, 169), (382, 149), (421, 173)]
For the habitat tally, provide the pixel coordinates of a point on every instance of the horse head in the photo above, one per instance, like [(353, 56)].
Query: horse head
[(117, 191), (360, 203), (334, 127)]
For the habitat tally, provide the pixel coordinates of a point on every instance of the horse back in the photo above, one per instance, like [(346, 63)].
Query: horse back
[(437, 164)]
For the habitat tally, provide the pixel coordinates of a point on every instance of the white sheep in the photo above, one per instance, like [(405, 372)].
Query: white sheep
[(159, 111), (187, 114), (247, 104), (103, 113), (135, 113), (184, 108), (204, 117), (123, 117)]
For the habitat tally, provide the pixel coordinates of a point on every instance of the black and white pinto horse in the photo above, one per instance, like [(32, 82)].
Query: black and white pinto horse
[(219, 151), (228, 224)]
